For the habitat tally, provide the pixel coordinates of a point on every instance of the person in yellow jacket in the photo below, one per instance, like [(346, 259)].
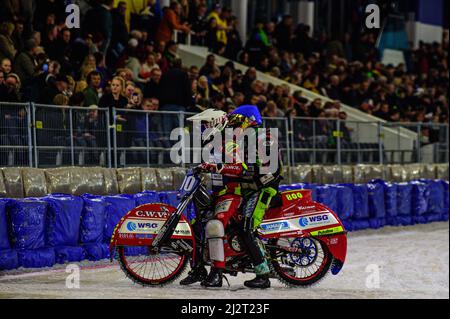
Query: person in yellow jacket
[(222, 24)]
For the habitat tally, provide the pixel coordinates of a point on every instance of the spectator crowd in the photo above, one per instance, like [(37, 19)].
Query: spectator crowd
[(132, 63)]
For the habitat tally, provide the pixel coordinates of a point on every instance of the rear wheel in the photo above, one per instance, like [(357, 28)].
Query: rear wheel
[(151, 269), (300, 261)]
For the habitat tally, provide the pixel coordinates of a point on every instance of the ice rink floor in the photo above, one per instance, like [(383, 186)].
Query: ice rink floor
[(410, 262)]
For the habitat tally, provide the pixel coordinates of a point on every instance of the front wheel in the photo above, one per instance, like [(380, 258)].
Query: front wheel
[(300, 261), (147, 268)]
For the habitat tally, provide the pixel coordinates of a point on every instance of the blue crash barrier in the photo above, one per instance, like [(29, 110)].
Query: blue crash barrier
[(4, 241), (169, 198), (27, 223), (377, 210), (360, 217), (9, 259), (345, 204), (37, 258), (96, 251), (63, 228), (63, 219), (327, 195), (118, 206), (404, 204), (419, 201), (64, 254), (93, 218), (146, 197), (446, 195)]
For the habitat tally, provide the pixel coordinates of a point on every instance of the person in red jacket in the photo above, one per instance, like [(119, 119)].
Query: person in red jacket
[(171, 22)]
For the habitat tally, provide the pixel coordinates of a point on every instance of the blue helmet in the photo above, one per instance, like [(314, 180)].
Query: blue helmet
[(245, 116)]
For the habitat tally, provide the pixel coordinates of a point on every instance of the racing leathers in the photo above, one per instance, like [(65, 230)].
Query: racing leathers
[(245, 181)]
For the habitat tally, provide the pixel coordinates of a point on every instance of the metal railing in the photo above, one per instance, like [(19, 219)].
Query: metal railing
[(37, 135)]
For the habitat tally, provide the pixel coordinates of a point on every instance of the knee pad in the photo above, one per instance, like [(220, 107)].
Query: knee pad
[(215, 234), (214, 229)]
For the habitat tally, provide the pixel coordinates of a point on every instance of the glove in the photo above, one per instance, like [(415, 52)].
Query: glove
[(206, 167)]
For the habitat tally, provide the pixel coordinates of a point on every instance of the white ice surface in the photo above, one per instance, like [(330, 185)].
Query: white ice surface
[(413, 263)]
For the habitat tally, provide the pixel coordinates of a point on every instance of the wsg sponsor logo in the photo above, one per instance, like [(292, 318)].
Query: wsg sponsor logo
[(131, 226), (313, 220), (147, 225), (275, 226)]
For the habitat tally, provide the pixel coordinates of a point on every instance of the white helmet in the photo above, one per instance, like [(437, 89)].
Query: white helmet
[(212, 120)]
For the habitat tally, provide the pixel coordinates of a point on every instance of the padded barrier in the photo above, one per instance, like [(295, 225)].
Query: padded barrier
[(404, 204), (118, 206), (435, 197), (147, 197), (179, 174), (360, 218), (345, 204), (3, 192), (165, 179), (396, 173), (444, 215), (13, 182), (93, 218), (58, 180), (37, 258), (419, 201), (34, 183), (359, 206), (442, 172), (129, 180), (31, 182), (27, 218), (301, 173), (169, 198), (65, 254), (96, 251), (377, 211), (149, 179), (87, 180), (390, 200), (111, 184), (63, 219), (4, 240), (327, 195), (8, 259)]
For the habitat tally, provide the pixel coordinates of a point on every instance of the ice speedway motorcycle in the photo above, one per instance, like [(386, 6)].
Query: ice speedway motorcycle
[(303, 239)]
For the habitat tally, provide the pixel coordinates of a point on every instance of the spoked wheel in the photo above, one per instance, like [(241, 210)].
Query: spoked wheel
[(151, 269), (302, 268)]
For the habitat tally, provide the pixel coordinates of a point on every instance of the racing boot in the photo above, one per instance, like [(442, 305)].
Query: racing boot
[(214, 278), (260, 282), (195, 275)]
